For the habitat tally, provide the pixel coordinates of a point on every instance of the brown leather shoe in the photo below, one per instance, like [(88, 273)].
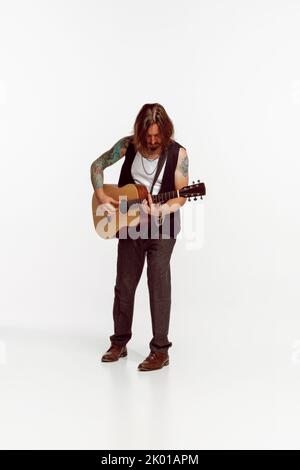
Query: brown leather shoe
[(114, 353), (155, 360)]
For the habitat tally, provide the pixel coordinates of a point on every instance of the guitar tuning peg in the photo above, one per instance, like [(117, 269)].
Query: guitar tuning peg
[(201, 197), (195, 199), (198, 181), (189, 199), (193, 182)]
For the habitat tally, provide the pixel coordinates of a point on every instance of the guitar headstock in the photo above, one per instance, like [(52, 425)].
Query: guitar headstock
[(193, 190)]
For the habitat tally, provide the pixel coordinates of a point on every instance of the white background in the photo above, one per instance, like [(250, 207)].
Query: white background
[(73, 76)]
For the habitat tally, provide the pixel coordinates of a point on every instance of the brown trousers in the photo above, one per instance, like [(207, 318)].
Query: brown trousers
[(130, 263)]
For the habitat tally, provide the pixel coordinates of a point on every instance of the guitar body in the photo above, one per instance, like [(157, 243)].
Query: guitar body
[(130, 198), (106, 225)]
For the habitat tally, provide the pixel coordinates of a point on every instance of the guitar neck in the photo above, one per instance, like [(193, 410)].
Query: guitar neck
[(163, 197)]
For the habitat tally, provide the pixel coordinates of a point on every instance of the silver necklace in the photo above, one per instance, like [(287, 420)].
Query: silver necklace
[(151, 173)]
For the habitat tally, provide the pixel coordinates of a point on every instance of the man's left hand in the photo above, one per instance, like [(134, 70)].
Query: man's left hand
[(151, 208)]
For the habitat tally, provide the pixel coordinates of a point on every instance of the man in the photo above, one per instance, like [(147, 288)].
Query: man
[(151, 141)]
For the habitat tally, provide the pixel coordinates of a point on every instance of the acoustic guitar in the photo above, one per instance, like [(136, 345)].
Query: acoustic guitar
[(130, 197)]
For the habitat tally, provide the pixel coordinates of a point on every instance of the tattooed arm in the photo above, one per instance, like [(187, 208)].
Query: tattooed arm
[(181, 180), (106, 159)]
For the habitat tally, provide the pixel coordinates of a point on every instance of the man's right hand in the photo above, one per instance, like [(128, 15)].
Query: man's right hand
[(109, 203)]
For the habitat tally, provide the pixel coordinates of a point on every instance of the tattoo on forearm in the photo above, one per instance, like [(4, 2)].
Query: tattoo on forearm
[(184, 166), (107, 159), (97, 177)]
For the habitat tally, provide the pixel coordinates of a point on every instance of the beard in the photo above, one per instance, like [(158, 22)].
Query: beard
[(151, 150), (153, 147)]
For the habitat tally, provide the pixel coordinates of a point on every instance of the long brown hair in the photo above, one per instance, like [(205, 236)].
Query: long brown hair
[(152, 113)]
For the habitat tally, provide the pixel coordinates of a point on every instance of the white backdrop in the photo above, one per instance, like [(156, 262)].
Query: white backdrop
[(73, 76)]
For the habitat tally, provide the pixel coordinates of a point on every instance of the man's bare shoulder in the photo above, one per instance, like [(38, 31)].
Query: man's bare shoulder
[(122, 145), (182, 162), (182, 153)]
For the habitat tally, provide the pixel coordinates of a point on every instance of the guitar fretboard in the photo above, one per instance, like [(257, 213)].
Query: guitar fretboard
[(163, 197)]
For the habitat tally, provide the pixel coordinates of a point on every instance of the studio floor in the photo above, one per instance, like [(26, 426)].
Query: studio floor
[(57, 394)]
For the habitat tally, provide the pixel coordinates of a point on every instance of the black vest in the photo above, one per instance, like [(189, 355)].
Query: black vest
[(171, 224)]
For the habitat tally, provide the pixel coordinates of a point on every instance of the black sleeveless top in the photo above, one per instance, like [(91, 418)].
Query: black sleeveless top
[(148, 227)]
